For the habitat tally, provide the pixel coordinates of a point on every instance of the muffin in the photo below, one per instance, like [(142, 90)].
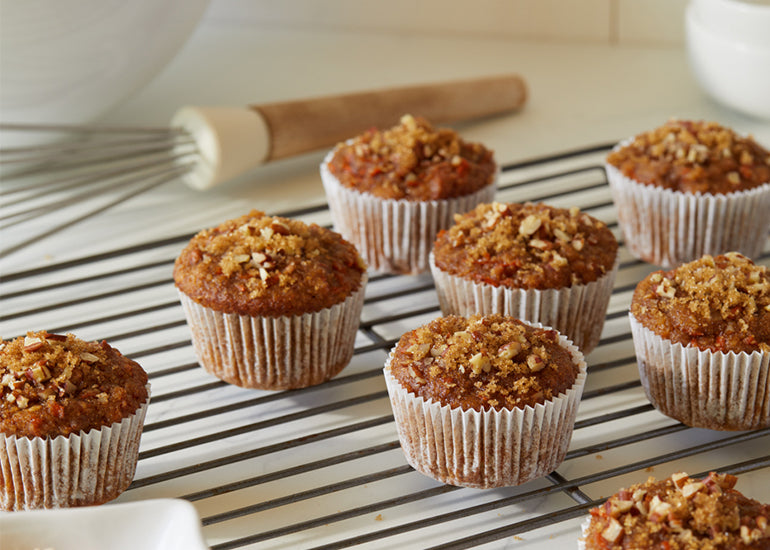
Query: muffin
[(272, 303), (548, 265), (687, 189), (679, 512), (484, 401), (702, 338), (71, 416), (391, 191)]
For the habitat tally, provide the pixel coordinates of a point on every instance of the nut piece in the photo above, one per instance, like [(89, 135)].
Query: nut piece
[(89, 357), (419, 351), (665, 289), (509, 350), (690, 489), (679, 479), (480, 362), (529, 225), (535, 363), (658, 509), (618, 507), (32, 344), (613, 532)]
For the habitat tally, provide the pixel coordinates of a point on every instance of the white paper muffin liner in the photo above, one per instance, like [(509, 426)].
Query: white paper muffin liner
[(578, 311), (701, 388), (668, 228), (486, 449), (581, 542), (394, 236), (76, 470), (275, 353)]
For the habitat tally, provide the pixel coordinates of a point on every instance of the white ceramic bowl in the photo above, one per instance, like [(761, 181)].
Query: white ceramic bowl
[(68, 61), (741, 20), (733, 71)]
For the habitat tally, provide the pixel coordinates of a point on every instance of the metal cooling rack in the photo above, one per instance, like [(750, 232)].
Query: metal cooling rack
[(321, 467)]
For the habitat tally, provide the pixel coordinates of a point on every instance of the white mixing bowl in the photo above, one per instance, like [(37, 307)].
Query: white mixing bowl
[(68, 61), (728, 44)]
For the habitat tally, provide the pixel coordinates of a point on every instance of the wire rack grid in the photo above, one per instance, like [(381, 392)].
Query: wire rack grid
[(321, 467)]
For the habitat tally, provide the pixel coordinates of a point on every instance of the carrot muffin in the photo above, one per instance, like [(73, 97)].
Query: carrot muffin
[(690, 188), (702, 338), (71, 416), (272, 303), (679, 513), (391, 191), (549, 265), (484, 401)]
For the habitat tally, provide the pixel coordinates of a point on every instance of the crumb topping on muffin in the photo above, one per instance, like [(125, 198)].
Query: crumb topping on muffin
[(526, 246), (680, 513), (694, 156), (720, 303), (54, 384), (483, 362), (267, 265), (413, 161)]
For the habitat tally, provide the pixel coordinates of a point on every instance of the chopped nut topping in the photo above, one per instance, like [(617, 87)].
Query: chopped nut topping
[(526, 246), (673, 513), (474, 361), (47, 389), (718, 303), (412, 161), (89, 357), (693, 156)]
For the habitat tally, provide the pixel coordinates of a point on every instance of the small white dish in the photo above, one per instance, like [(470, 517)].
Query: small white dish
[(157, 524)]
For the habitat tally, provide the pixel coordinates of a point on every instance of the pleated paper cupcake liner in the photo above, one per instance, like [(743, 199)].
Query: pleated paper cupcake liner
[(581, 543), (275, 353), (77, 470), (578, 311), (393, 236), (486, 449), (668, 228), (701, 388)]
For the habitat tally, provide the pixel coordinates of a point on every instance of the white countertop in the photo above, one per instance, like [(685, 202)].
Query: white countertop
[(580, 94)]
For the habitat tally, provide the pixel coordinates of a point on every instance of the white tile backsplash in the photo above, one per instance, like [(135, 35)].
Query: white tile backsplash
[(627, 22)]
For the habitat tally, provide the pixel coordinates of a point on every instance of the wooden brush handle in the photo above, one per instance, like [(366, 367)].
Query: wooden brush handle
[(229, 141), (306, 125)]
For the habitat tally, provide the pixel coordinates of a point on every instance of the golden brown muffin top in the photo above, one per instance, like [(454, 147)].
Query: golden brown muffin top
[(532, 246), (719, 303), (483, 362), (692, 157), (269, 266), (413, 161), (54, 384), (680, 513)]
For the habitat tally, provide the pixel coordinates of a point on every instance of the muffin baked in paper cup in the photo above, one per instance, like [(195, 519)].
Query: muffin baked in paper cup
[(489, 448), (578, 311), (393, 236), (701, 388), (667, 228), (275, 353), (82, 469)]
